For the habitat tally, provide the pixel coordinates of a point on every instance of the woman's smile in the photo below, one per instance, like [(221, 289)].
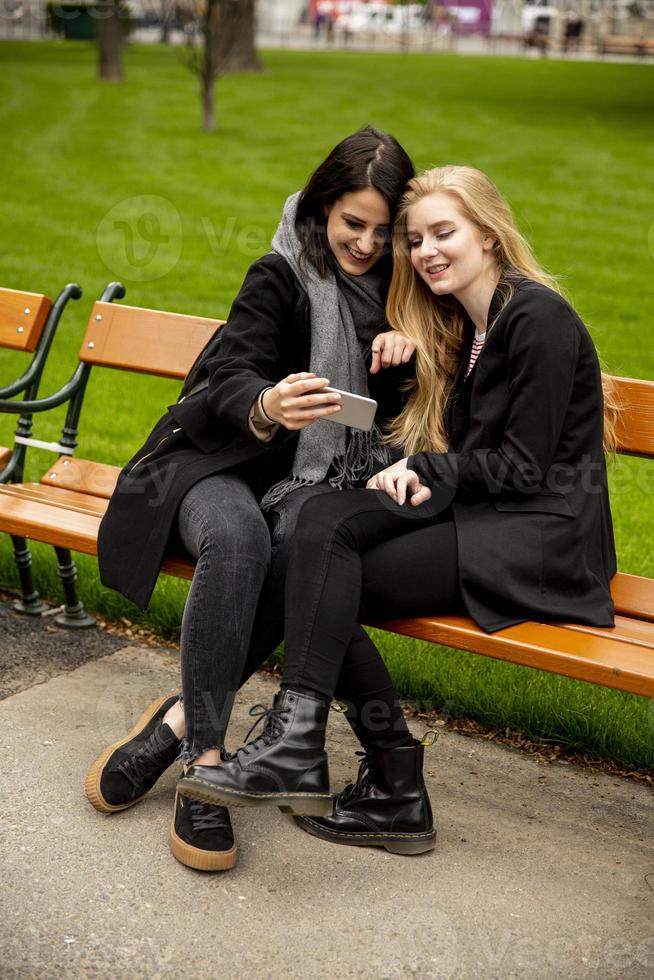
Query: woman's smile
[(449, 253), (437, 271), (358, 256), (358, 226)]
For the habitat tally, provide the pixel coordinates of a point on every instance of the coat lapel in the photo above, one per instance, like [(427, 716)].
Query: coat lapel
[(459, 397), (454, 408)]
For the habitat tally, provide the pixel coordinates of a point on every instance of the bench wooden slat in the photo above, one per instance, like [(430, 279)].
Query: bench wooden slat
[(148, 341), (41, 521), (632, 630), (5, 456), (83, 475), (81, 503), (635, 424), (633, 596), (22, 318), (560, 651)]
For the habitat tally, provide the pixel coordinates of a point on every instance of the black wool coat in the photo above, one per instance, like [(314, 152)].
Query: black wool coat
[(267, 337), (527, 471)]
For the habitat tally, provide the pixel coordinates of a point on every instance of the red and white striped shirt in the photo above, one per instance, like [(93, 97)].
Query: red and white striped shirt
[(477, 345)]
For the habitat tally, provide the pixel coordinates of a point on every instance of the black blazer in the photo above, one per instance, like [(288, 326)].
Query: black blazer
[(526, 468), (267, 337)]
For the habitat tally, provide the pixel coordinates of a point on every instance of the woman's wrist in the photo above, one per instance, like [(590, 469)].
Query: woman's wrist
[(416, 462), (262, 403)]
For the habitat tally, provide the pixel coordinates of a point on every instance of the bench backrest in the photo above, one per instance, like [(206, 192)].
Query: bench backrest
[(148, 341), (128, 338), (22, 318), (635, 425), (167, 344)]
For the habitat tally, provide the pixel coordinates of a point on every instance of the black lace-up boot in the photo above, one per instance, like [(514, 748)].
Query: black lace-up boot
[(201, 835), (387, 806), (128, 769), (286, 766)]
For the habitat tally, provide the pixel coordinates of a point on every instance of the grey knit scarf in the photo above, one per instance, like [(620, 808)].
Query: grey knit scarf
[(347, 312)]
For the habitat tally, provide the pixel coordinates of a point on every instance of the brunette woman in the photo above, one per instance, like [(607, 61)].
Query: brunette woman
[(499, 507), (228, 467)]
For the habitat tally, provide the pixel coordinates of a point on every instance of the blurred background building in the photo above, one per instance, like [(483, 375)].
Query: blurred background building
[(577, 28)]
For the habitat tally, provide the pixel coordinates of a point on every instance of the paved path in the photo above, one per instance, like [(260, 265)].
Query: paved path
[(540, 871)]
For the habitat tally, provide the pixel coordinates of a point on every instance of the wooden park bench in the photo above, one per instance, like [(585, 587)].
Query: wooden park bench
[(65, 508)]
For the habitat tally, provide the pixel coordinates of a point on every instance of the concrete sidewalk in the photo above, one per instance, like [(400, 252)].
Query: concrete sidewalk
[(540, 871)]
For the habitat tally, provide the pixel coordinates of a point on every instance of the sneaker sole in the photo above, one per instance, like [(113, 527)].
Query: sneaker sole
[(394, 843), (299, 804), (196, 857), (92, 782)]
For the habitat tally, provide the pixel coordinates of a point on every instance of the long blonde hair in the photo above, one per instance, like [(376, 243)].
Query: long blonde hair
[(435, 324)]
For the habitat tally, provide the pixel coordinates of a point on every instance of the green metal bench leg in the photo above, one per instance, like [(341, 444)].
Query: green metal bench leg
[(30, 602), (74, 615)]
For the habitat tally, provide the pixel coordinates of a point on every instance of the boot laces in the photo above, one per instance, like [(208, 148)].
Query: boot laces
[(364, 780), (274, 726), (146, 761), (207, 816)]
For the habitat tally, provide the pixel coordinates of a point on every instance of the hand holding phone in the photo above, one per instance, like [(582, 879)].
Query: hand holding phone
[(300, 399)]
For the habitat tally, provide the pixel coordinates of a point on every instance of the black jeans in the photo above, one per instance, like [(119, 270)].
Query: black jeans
[(234, 615), (360, 556)]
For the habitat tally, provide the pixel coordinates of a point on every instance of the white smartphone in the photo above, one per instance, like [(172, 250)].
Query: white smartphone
[(356, 411)]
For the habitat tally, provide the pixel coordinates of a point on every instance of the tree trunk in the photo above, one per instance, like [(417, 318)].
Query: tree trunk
[(210, 65), (235, 36), (166, 10), (227, 29), (208, 112), (109, 32)]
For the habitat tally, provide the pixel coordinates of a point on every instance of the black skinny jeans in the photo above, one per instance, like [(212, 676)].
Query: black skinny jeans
[(357, 555)]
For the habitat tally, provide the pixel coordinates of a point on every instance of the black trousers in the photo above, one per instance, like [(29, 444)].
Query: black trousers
[(357, 556)]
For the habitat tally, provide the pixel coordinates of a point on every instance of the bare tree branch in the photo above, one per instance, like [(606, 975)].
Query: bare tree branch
[(220, 38)]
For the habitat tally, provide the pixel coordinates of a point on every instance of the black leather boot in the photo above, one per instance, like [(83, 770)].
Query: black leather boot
[(387, 806), (286, 766)]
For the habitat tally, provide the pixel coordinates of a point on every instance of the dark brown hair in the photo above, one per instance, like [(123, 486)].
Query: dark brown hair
[(367, 158)]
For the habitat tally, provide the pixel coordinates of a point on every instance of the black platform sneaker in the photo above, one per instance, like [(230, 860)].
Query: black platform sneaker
[(201, 835), (128, 769)]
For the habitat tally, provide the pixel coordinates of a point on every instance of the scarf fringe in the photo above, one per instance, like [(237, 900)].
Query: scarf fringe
[(279, 490), (363, 451)]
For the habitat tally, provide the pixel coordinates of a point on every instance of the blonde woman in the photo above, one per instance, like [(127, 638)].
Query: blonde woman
[(499, 507)]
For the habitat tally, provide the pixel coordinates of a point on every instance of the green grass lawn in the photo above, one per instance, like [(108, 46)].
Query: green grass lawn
[(570, 144)]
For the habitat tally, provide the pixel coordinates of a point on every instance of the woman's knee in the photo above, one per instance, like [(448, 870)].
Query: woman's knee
[(319, 519), (228, 526)]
